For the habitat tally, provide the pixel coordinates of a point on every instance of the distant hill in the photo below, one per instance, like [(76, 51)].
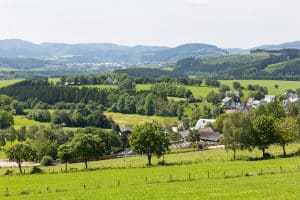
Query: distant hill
[(287, 45), (107, 52)]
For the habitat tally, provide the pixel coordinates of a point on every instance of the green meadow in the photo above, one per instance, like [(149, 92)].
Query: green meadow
[(208, 174), (134, 119), (4, 83)]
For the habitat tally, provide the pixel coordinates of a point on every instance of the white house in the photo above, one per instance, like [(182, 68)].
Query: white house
[(201, 123)]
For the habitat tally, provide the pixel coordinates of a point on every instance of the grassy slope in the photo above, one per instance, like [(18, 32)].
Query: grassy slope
[(4, 83), (103, 184), (244, 58), (281, 65), (133, 119), (23, 121), (283, 85)]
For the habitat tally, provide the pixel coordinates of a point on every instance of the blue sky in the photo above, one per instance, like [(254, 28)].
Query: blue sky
[(226, 23)]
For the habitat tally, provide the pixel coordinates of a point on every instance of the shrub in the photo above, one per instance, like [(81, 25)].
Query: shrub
[(47, 161), (297, 153), (8, 172), (36, 170), (24, 192)]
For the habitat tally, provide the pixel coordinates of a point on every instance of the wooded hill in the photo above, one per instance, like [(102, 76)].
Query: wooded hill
[(258, 64)]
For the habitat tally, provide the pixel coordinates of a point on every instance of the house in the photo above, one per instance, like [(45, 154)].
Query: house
[(201, 123), (292, 97), (268, 99), (208, 135), (226, 102), (111, 81), (252, 103), (232, 93), (71, 83), (125, 130)]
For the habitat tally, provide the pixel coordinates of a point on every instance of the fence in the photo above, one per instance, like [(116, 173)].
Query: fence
[(168, 178)]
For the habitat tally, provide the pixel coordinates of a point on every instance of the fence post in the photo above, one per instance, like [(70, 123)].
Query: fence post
[(118, 183), (84, 186), (170, 178), (146, 179), (189, 176), (280, 169), (47, 189)]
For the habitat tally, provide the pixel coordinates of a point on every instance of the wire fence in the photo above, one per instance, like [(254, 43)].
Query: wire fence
[(166, 179)]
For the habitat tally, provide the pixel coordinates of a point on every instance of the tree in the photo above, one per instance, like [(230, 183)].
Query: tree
[(65, 154), (86, 146), (236, 85), (21, 134), (287, 130), (11, 134), (236, 131), (213, 97), (263, 132), (20, 153), (149, 138), (2, 138), (127, 84), (6, 119), (149, 105)]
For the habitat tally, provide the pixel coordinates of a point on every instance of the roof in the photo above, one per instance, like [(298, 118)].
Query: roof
[(201, 123), (226, 99), (125, 129), (209, 136)]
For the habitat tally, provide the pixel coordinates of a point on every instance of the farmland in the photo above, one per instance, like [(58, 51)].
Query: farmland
[(128, 178), (134, 119), (4, 83), (202, 91)]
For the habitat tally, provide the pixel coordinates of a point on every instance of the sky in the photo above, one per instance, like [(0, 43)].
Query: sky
[(225, 23)]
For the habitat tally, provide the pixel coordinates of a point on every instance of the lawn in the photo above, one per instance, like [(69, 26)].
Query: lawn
[(134, 119), (214, 176)]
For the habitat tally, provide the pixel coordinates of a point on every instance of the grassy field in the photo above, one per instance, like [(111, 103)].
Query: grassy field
[(133, 119), (282, 85), (4, 83), (23, 121), (212, 175)]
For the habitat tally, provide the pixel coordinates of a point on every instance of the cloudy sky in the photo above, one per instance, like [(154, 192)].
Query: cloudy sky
[(226, 23)]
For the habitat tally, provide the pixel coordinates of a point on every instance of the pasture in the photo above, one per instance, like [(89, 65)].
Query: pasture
[(134, 119), (202, 91), (24, 121), (4, 83), (209, 174), (270, 84)]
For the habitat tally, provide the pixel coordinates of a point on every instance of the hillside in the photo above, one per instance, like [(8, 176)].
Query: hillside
[(286, 45), (258, 64), (106, 52)]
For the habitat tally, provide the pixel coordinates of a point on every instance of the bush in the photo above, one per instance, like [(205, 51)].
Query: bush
[(8, 172), (297, 153), (47, 161), (36, 170)]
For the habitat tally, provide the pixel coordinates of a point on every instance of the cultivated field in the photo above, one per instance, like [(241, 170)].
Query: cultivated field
[(203, 174)]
